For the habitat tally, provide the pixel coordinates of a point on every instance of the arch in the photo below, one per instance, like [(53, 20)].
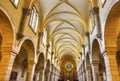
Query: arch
[(111, 37), (98, 61), (28, 43), (108, 11), (24, 60), (41, 61), (112, 24), (7, 32), (67, 3), (68, 67), (48, 65), (39, 67), (9, 23), (60, 40), (66, 33), (89, 68), (95, 50)]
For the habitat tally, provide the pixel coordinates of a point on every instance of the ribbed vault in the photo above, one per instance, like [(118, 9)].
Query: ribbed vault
[(66, 22)]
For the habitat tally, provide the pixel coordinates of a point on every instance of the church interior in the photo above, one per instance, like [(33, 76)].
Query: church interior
[(59, 40)]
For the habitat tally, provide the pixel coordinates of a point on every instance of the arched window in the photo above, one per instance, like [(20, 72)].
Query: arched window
[(34, 19)]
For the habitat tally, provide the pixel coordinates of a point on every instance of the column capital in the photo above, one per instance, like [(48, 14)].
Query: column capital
[(52, 53), (40, 34), (48, 45), (83, 46), (95, 10), (14, 52), (87, 34), (26, 11), (99, 35)]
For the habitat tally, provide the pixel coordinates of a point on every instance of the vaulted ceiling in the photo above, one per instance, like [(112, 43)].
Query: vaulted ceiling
[(66, 22)]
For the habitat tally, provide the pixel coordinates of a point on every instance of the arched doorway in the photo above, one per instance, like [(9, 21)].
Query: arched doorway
[(98, 62), (39, 68), (111, 33), (24, 63), (6, 33), (89, 69)]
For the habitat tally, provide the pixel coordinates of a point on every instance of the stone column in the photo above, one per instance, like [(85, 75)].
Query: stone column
[(95, 12), (50, 74), (107, 67), (89, 73), (46, 75), (40, 74), (80, 74), (31, 68), (43, 77), (96, 70), (48, 79), (6, 63), (53, 75), (82, 78), (26, 14), (111, 52)]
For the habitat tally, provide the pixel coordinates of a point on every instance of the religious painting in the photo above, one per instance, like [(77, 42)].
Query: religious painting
[(13, 75)]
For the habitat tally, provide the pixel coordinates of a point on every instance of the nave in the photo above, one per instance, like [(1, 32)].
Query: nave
[(59, 40)]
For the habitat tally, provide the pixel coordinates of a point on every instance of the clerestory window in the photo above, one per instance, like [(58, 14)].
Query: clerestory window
[(34, 19)]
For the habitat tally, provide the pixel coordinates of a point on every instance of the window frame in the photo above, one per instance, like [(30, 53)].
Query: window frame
[(34, 20)]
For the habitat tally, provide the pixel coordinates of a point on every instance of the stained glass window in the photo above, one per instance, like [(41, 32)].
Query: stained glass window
[(69, 66)]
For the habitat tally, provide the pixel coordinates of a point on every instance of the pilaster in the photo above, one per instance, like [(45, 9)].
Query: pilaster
[(6, 63), (31, 68), (111, 52)]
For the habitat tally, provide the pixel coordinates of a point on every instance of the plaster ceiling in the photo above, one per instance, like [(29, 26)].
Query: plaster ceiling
[(66, 22)]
